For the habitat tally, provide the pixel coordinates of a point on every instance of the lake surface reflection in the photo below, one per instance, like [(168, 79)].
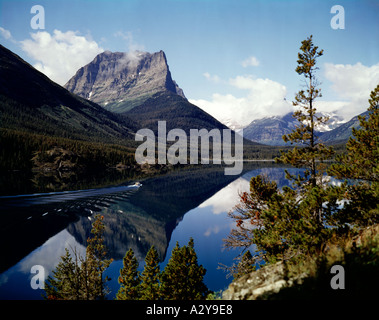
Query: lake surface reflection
[(192, 202)]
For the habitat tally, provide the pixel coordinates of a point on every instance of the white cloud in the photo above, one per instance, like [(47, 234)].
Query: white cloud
[(214, 78), (6, 34), (352, 84), (264, 97), (61, 54), (250, 62)]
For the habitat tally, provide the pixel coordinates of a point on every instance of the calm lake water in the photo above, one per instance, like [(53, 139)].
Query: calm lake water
[(36, 227)]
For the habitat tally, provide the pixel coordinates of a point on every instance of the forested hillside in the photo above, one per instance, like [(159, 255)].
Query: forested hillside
[(37, 115)]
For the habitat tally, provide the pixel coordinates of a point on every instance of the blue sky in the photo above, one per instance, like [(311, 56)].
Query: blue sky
[(235, 59)]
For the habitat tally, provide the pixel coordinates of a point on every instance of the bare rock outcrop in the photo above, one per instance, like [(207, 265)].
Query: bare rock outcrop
[(255, 285)]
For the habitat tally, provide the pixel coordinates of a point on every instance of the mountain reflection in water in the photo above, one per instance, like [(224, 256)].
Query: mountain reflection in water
[(173, 207)]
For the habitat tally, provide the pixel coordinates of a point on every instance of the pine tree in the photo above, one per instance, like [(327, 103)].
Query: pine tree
[(361, 162), (81, 278), (150, 286), (197, 289), (182, 278), (290, 222), (96, 262), (310, 149), (279, 223), (311, 153), (129, 278), (67, 281)]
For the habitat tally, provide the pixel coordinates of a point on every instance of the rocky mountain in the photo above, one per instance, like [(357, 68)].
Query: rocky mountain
[(120, 81), (31, 102)]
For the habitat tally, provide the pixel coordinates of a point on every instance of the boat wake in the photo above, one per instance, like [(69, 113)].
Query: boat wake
[(63, 196)]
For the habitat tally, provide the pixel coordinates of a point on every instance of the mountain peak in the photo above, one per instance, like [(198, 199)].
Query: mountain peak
[(120, 81)]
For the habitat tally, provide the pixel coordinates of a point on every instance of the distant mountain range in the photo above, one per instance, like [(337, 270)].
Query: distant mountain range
[(343, 132), (270, 130)]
